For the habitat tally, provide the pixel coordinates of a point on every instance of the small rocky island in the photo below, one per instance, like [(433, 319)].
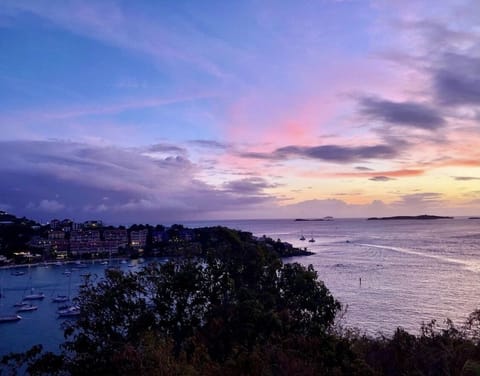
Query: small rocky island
[(328, 218), (420, 217)]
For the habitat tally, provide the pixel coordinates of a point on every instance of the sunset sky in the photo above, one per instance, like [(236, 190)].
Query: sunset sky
[(151, 111)]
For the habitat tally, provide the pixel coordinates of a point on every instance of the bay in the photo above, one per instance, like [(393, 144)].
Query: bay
[(387, 273)]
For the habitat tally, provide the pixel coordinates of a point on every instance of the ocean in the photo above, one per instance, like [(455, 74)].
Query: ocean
[(386, 274)]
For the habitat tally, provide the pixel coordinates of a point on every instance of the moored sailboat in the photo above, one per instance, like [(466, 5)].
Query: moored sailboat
[(5, 318), (34, 295)]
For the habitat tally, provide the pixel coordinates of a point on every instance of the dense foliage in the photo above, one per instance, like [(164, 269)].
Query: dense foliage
[(195, 315), (15, 233), (235, 310)]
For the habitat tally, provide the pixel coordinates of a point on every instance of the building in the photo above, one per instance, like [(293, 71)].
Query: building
[(54, 224), (138, 239), (58, 243), (77, 226), (85, 241), (159, 236), (114, 239)]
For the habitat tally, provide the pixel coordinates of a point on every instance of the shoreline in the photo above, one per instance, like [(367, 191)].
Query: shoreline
[(59, 263)]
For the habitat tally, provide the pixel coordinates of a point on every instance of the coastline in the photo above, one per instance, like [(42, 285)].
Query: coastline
[(58, 263)]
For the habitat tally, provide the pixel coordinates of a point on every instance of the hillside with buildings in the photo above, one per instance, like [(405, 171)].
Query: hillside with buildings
[(23, 240)]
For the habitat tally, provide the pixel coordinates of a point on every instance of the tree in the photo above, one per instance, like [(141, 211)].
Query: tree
[(235, 304)]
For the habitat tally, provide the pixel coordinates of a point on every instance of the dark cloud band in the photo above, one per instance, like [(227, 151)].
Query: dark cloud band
[(409, 114)]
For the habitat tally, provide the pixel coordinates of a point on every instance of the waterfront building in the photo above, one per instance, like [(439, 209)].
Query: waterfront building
[(85, 241), (114, 239), (58, 243), (138, 238)]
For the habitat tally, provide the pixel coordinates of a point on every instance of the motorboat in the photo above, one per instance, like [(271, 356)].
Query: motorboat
[(9, 318), (70, 311), (27, 308), (60, 299)]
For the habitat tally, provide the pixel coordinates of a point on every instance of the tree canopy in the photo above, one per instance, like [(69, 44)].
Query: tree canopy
[(215, 311)]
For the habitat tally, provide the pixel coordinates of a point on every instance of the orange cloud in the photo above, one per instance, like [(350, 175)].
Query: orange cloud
[(392, 174), (461, 162)]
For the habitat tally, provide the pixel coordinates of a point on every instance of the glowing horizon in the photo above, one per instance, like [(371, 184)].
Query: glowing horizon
[(179, 110)]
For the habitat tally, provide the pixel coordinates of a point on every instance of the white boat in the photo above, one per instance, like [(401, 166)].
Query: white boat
[(9, 318), (27, 308), (70, 311), (5, 318), (60, 299), (34, 296)]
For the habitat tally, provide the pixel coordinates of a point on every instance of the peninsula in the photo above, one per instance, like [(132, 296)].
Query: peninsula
[(24, 241)]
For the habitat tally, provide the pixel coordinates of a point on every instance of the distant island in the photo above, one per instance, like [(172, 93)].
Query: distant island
[(424, 216), (313, 219), (473, 217)]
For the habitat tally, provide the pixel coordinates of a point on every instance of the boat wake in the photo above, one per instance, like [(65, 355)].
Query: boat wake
[(473, 266)]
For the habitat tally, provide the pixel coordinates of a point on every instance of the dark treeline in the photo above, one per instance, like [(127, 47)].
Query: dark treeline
[(235, 309)]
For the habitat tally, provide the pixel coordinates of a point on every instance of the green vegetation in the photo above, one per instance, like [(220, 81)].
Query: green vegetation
[(15, 233), (235, 310)]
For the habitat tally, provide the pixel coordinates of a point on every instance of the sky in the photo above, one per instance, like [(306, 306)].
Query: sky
[(154, 111)]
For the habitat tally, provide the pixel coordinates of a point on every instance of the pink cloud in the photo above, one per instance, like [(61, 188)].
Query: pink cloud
[(371, 174)]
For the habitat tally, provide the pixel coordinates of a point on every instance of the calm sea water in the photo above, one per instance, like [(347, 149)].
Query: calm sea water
[(410, 271)]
